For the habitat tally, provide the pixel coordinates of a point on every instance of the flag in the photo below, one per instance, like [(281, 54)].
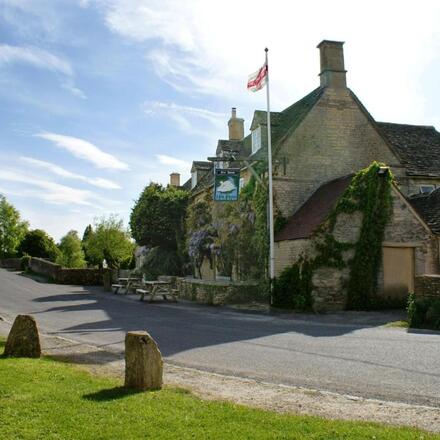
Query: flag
[(258, 79)]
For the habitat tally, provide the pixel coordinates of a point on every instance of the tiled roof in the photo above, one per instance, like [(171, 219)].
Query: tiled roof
[(418, 147), (285, 122), (304, 222), (229, 145), (428, 207), (201, 165), (187, 185)]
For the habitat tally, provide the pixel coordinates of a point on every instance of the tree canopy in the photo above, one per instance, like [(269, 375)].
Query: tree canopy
[(37, 243), (158, 215), (12, 229), (109, 240), (71, 253)]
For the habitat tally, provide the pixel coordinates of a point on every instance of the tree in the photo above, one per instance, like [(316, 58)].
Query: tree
[(92, 261), (157, 217), (37, 243), (71, 254), (12, 229), (110, 241)]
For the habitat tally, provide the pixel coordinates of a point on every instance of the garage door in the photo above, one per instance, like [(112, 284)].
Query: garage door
[(398, 270)]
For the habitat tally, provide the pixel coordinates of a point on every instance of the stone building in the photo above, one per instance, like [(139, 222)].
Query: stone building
[(318, 143)]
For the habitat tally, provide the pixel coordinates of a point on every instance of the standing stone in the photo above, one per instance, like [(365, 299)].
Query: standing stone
[(23, 339), (143, 362)]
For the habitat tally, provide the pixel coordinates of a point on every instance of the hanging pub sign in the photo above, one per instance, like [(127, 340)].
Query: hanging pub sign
[(226, 184)]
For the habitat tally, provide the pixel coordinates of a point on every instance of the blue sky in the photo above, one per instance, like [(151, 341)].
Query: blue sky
[(99, 97)]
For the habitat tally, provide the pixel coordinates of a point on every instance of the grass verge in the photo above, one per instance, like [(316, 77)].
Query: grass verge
[(45, 399)]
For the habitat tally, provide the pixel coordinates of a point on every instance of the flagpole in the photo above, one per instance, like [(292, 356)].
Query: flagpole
[(269, 154)]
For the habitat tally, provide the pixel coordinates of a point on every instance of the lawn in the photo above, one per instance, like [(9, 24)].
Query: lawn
[(46, 399)]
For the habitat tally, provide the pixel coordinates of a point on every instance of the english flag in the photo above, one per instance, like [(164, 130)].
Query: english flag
[(258, 79)]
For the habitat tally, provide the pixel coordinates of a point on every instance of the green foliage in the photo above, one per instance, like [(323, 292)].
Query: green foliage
[(12, 229), (37, 243), (157, 217), (110, 241), (25, 262), (371, 195), (71, 253), (423, 312), (160, 261), (293, 288)]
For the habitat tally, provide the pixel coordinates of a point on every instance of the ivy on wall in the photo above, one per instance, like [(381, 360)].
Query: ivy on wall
[(370, 194)]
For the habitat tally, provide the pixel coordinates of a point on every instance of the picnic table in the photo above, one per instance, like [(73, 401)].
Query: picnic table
[(126, 283), (155, 288)]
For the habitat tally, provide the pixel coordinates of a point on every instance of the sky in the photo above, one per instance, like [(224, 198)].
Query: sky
[(100, 97)]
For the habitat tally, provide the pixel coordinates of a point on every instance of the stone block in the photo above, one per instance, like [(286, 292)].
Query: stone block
[(143, 362), (23, 339)]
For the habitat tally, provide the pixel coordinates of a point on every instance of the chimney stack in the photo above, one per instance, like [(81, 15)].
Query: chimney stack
[(333, 73), (236, 126), (175, 179)]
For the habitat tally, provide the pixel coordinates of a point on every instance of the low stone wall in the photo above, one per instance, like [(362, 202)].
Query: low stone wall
[(11, 263), (427, 286), (219, 292), (61, 275)]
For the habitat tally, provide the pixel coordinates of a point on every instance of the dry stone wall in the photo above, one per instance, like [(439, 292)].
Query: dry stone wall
[(61, 275)]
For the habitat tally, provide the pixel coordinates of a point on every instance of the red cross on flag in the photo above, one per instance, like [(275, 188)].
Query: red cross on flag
[(258, 79)]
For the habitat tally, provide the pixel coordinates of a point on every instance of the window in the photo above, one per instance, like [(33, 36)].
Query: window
[(256, 139), (426, 189), (193, 179)]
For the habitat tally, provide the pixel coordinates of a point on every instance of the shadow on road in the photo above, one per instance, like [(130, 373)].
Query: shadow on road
[(185, 326)]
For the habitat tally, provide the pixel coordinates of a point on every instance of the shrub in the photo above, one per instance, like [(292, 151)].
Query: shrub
[(423, 312), (25, 262), (293, 288), (159, 261)]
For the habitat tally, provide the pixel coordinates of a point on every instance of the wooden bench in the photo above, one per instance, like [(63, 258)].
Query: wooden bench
[(116, 288), (156, 288)]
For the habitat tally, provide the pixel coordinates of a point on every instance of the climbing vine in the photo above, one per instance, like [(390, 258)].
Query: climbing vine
[(370, 194)]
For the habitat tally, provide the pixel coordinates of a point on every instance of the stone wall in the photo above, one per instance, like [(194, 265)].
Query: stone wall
[(61, 275), (427, 286), (11, 263), (219, 292)]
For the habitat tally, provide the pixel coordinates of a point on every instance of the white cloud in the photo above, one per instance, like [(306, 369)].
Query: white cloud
[(59, 171), (211, 47), (84, 150), (37, 57), (41, 59), (192, 120), (169, 160), (53, 192), (75, 91)]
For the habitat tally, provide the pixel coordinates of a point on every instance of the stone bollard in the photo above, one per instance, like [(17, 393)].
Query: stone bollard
[(143, 362), (23, 339)]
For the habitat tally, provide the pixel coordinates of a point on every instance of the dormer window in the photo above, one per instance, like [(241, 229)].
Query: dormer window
[(256, 139), (426, 189)]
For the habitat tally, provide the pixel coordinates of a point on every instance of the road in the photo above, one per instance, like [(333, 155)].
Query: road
[(317, 352)]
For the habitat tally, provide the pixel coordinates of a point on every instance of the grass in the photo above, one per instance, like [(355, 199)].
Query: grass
[(45, 399), (398, 324)]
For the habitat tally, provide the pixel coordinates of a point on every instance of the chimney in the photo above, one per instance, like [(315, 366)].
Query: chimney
[(236, 126), (175, 179), (333, 73)]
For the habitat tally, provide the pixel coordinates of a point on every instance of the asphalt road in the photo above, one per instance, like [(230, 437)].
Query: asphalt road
[(319, 352)]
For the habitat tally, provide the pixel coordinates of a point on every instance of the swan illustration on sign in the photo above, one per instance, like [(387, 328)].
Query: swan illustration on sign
[(226, 184)]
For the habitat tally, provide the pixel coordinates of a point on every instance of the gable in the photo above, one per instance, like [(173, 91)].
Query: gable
[(335, 138)]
